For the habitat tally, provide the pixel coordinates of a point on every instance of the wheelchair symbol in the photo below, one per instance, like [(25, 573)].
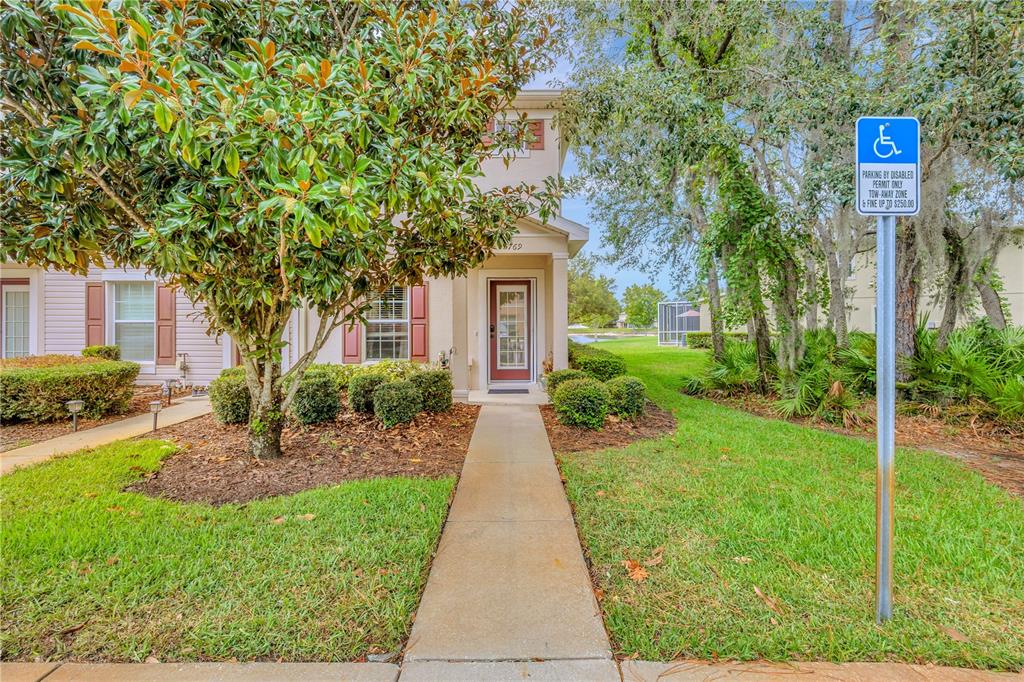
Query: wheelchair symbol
[(885, 141)]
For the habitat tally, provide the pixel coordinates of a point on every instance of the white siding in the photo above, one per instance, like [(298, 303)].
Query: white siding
[(64, 306), (205, 355)]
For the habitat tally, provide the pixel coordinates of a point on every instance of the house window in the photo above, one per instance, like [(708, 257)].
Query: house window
[(15, 320), (387, 325), (135, 320), (510, 127)]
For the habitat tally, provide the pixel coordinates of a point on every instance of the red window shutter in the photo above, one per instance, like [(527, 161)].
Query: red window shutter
[(165, 326), (418, 341), (95, 326), (353, 333), (536, 129)]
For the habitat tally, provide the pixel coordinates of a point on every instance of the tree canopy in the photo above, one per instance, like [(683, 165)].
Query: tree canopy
[(263, 156), (591, 296), (641, 304)]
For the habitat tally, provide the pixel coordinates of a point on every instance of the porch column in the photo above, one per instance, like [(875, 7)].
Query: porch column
[(560, 309)]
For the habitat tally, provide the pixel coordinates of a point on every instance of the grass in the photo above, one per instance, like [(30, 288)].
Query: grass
[(93, 573), (744, 505)]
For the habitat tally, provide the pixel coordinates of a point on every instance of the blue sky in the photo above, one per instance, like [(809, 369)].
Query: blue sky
[(578, 209)]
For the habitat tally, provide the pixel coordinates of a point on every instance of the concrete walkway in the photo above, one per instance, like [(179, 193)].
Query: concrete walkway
[(185, 409), (509, 585)]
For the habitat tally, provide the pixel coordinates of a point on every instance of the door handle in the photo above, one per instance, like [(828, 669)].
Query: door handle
[(492, 331)]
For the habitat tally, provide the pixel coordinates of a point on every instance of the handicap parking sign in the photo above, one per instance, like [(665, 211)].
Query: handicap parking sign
[(888, 165)]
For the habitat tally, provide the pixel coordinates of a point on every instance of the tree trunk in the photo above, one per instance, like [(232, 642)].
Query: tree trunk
[(266, 411), (956, 282), (811, 282), (763, 342), (907, 293), (836, 288), (715, 306), (791, 336), (992, 304)]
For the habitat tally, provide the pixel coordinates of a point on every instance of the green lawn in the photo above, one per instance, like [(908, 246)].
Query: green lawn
[(90, 572), (743, 505)]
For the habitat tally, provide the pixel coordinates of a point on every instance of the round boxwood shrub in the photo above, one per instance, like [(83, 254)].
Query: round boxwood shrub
[(316, 400), (599, 363), (36, 388), (360, 391), (560, 375), (396, 402), (229, 397), (435, 387), (627, 396), (105, 352), (581, 402)]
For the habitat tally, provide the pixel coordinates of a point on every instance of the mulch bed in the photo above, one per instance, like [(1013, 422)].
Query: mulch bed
[(20, 434), (993, 450), (616, 432), (214, 465)]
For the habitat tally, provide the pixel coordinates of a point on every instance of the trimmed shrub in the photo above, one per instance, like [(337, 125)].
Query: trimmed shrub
[(396, 402), (435, 387), (598, 363), (36, 389), (703, 339), (317, 399), (229, 397), (627, 396), (581, 402), (360, 391), (105, 352), (560, 375)]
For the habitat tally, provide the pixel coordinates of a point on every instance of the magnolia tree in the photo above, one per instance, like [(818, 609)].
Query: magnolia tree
[(263, 156)]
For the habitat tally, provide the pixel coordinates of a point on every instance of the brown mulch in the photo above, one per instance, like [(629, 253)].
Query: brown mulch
[(993, 450), (20, 434), (214, 465), (616, 432)]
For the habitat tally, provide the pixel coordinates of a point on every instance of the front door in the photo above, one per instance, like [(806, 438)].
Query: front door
[(510, 327)]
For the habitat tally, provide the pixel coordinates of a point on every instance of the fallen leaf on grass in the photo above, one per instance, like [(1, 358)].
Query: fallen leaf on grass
[(306, 517), (600, 493), (152, 659), (115, 508), (278, 520), (769, 602), (656, 557), (90, 495), (637, 573), (954, 634), (112, 560), (742, 559)]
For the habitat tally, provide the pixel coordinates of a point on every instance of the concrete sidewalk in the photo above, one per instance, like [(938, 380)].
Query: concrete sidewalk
[(509, 583), (185, 409)]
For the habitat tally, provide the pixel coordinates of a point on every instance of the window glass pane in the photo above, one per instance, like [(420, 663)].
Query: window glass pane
[(135, 320), (15, 315), (134, 301), (387, 328)]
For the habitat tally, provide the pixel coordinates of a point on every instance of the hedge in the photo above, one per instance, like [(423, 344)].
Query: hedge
[(360, 391), (581, 402), (596, 362), (105, 352), (703, 339), (396, 402), (627, 396), (561, 375), (36, 389), (435, 387), (317, 398), (229, 397)]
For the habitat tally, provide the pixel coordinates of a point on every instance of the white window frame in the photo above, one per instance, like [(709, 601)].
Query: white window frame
[(407, 321), (22, 288), (110, 288), (519, 153)]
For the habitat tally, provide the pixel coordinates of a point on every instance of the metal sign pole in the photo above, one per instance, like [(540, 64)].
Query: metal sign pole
[(885, 335)]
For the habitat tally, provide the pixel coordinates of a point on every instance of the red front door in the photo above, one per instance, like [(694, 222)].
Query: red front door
[(510, 327)]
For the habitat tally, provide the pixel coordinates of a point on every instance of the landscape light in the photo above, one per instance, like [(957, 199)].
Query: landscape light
[(154, 407), (74, 407), (168, 387)]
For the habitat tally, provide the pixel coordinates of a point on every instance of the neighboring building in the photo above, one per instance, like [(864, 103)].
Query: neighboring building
[(675, 318), (496, 326)]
